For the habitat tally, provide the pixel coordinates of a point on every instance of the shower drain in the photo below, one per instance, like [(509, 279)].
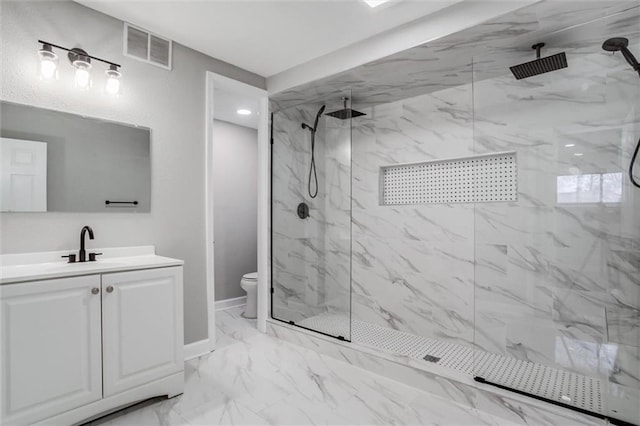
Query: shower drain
[(431, 358), (569, 388)]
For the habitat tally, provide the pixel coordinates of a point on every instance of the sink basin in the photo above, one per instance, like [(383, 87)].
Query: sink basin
[(49, 265)]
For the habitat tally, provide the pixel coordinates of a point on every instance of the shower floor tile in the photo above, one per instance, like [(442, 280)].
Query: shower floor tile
[(565, 387), (257, 379)]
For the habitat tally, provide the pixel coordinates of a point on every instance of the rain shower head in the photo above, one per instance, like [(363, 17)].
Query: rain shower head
[(345, 113), (539, 65)]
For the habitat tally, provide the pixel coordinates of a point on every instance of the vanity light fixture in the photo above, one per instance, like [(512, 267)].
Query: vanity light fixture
[(243, 111), (112, 87), (81, 61), (48, 65)]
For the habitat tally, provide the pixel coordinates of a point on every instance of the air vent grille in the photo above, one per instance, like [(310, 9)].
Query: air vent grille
[(147, 47)]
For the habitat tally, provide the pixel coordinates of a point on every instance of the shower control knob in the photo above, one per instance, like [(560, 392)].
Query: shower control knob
[(303, 210)]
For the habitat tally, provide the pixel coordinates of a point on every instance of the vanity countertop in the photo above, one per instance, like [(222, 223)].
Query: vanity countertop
[(16, 268)]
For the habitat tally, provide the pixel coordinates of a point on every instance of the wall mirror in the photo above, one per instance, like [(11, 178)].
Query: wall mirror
[(52, 161)]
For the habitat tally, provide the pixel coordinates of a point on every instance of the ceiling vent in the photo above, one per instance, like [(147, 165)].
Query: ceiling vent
[(147, 47)]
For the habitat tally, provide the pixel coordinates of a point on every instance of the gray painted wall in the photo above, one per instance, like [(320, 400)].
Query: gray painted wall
[(170, 103), (235, 150)]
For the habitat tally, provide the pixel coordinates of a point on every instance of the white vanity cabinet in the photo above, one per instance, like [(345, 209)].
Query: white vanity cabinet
[(72, 348), (142, 328), (51, 348)]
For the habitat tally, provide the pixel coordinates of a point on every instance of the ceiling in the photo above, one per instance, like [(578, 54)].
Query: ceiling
[(226, 104), (269, 36)]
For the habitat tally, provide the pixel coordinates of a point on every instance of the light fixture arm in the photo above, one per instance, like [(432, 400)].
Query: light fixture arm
[(46, 43)]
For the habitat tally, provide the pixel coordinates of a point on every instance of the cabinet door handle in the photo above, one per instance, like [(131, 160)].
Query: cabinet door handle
[(110, 289), (95, 290)]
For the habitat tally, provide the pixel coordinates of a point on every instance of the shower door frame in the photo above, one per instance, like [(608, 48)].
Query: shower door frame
[(271, 230)]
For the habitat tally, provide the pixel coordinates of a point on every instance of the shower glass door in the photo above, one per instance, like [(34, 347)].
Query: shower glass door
[(557, 270), (311, 217)]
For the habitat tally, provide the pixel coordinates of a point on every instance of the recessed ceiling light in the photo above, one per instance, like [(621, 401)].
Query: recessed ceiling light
[(569, 145), (244, 112), (375, 3), (578, 154)]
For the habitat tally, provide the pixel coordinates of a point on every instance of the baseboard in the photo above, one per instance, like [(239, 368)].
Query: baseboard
[(221, 305), (196, 349)]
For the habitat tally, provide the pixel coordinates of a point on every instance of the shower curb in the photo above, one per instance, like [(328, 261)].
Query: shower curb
[(427, 377)]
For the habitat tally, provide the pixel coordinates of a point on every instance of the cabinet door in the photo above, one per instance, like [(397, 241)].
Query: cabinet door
[(142, 327), (50, 359)]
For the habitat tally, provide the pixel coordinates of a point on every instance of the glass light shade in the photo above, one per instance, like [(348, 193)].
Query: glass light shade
[(112, 86), (48, 66), (82, 78)]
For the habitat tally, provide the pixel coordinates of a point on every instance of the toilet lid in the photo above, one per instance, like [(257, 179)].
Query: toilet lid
[(250, 276)]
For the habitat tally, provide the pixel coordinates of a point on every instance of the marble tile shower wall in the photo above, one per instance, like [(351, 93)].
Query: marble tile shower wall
[(412, 266), (540, 280), (558, 280), (311, 256)]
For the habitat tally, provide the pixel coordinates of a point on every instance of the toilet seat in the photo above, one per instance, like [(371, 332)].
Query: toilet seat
[(251, 276)]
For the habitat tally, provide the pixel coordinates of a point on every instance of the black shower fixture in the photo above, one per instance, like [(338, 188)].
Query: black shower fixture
[(345, 112), (619, 44), (539, 65), (312, 168)]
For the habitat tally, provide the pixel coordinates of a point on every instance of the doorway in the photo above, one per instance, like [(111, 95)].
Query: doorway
[(237, 164)]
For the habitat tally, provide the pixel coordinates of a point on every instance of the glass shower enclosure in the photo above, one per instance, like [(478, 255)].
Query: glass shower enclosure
[(557, 271), (479, 227), (311, 216)]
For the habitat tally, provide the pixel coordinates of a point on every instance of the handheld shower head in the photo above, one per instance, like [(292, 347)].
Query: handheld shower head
[(614, 44), (320, 111), (312, 168), (619, 44), (315, 123)]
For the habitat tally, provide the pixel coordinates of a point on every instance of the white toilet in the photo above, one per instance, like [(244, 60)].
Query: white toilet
[(249, 283)]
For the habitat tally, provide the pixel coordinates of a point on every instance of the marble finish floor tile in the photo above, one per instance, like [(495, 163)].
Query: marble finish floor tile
[(257, 379)]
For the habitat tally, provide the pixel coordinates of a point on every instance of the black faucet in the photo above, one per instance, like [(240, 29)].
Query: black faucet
[(83, 253)]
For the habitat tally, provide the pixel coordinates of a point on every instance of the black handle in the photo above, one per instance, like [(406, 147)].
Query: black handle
[(72, 258), (107, 202), (92, 256), (303, 210)]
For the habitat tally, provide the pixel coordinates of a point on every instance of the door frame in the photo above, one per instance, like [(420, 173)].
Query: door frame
[(214, 81)]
